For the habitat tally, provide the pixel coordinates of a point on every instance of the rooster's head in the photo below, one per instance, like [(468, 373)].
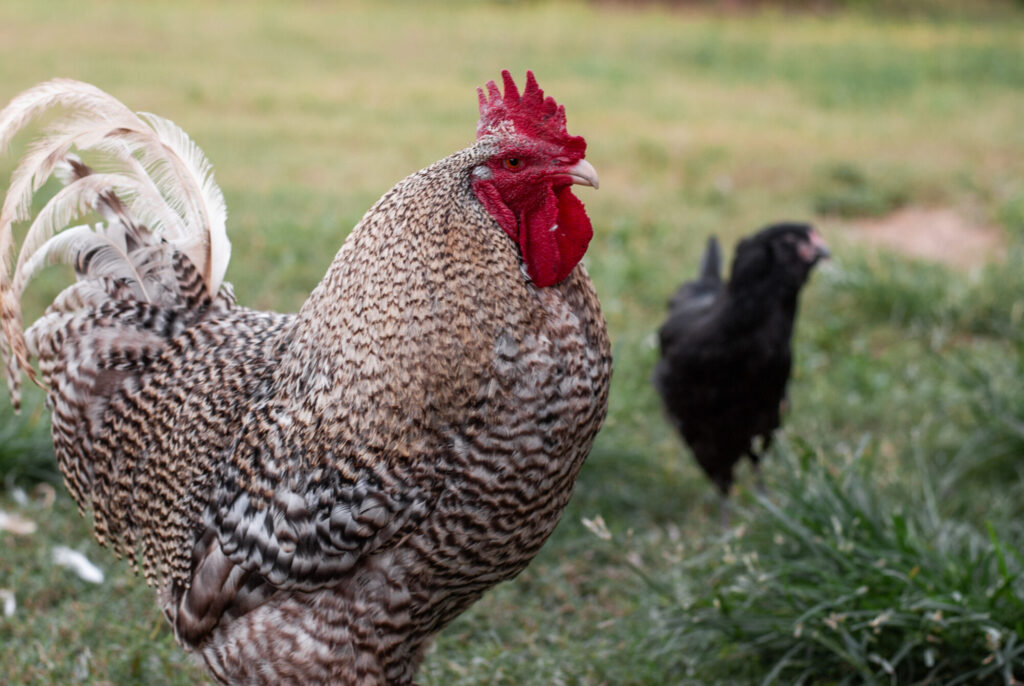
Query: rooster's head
[(525, 183)]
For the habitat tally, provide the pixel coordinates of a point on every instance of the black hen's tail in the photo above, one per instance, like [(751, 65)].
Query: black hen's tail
[(696, 296), (711, 263)]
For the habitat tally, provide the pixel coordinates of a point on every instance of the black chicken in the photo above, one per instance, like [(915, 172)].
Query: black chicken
[(725, 351)]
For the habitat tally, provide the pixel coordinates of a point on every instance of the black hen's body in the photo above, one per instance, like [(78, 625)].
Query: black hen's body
[(725, 347)]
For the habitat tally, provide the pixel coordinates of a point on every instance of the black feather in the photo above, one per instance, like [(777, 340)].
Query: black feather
[(725, 348)]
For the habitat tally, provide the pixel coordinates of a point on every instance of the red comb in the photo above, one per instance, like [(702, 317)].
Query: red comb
[(531, 113)]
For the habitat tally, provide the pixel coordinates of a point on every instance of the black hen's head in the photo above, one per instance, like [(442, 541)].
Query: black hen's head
[(780, 254)]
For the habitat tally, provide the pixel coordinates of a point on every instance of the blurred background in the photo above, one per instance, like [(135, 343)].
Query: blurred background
[(886, 547)]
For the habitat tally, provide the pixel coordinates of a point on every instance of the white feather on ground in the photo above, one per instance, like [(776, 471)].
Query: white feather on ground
[(78, 563), (16, 524), (10, 605)]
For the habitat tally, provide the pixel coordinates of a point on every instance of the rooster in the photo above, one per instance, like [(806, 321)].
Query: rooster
[(313, 495), (725, 347)]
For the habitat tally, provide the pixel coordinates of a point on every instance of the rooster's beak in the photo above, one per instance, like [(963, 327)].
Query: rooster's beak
[(583, 173)]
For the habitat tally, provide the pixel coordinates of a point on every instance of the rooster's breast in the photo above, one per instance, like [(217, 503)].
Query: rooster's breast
[(514, 459)]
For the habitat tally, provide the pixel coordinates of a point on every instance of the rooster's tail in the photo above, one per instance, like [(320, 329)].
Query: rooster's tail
[(153, 262)]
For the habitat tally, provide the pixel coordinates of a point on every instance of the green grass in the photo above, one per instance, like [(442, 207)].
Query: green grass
[(904, 429), (834, 580)]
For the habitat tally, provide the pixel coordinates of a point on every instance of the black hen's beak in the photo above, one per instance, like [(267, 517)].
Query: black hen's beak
[(815, 248)]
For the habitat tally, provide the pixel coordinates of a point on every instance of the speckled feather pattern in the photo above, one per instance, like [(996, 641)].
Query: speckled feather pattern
[(316, 495)]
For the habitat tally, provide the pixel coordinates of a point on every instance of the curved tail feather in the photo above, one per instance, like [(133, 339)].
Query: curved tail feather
[(156, 194)]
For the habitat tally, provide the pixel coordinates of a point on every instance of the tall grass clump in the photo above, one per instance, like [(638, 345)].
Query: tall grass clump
[(882, 287), (838, 578), (922, 296), (988, 459), (995, 304)]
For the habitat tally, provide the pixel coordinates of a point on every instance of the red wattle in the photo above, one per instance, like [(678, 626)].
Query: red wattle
[(555, 238), (552, 237), (575, 231)]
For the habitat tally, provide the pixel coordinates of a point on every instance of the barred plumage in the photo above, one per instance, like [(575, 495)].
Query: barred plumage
[(316, 495)]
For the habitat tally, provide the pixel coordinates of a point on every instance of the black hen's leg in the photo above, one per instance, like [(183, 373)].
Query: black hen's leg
[(724, 513), (758, 477), (755, 454), (724, 483)]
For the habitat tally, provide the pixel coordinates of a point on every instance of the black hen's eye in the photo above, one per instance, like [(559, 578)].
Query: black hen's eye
[(513, 163)]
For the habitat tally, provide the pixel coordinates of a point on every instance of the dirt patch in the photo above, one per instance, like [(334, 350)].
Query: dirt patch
[(937, 234)]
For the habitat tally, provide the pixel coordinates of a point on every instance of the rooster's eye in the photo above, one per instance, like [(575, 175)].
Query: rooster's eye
[(513, 163)]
